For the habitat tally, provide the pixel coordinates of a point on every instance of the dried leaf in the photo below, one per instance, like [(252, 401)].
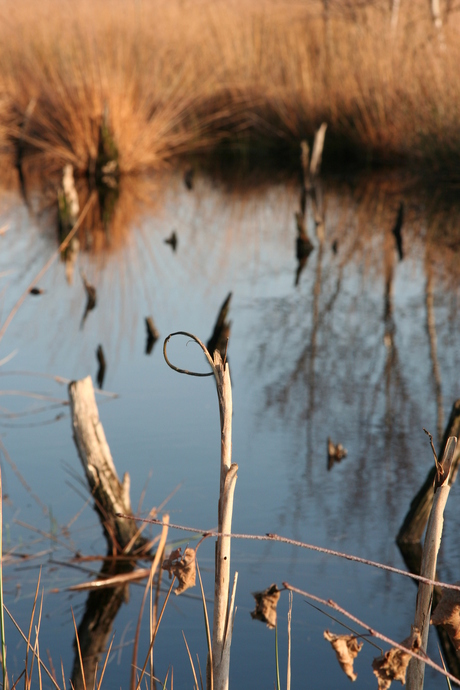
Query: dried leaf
[(447, 614), (393, 664), (266, 603), (183, 567), (346, 648)]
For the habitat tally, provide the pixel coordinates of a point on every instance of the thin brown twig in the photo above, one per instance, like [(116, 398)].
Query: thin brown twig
[(185, 371), (336, 620), (54, 377), (302, 545), (371, 631), (152, 641), (82, 668), (29, 645), (432, 445)]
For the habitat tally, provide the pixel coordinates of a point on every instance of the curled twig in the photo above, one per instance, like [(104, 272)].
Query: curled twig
[(185, 371)]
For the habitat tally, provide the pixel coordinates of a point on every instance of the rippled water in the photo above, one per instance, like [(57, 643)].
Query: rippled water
[(346, 353)]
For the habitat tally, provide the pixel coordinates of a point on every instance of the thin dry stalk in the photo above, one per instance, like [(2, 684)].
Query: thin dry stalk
[(2, 619), (153, 569), (50, 676), (63, 675), (79, 651), (223, 613), (152, 641), (37, 646), (288, 672), (312, 547), (416, 668), (197, 687), (31, 622), (105, 664), (209, 671)]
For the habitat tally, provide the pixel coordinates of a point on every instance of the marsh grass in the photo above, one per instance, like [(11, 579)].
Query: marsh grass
[(183, 76)]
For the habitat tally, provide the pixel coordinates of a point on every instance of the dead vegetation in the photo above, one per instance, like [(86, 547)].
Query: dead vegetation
[(182, 77)]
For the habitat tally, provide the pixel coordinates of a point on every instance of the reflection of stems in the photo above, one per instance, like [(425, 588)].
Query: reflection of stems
[(314, 334), (49, 263), (431, 327)]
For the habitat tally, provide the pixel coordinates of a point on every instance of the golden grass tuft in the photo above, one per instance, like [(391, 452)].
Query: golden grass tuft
[(182, 76)]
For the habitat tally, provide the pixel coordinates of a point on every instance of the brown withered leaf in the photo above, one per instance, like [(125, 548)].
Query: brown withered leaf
[(393, 664), (346, 648), (183, 567), (447, 614), (266, 603)]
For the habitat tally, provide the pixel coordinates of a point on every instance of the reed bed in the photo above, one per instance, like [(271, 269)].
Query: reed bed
[(182, 77)]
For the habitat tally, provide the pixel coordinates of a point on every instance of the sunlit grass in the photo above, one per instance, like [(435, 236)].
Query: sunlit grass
[(180, 77)]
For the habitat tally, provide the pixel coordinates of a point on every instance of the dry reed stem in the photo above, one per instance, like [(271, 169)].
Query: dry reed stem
[(197, 687), (223, 603), (310, 547), (2, 618), (152, 570), (152, 641), (29, 646), (416, 669)]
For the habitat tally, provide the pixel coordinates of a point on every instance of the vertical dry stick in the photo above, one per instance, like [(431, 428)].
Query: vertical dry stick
[(223, 613), (317, 153), (288, 676), (228, 474), (2, 620), (416, 669)]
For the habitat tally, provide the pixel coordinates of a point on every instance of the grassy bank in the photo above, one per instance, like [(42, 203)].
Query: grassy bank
[(181, 77)]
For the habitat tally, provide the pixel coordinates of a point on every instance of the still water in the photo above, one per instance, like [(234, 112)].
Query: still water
[(364, 349)]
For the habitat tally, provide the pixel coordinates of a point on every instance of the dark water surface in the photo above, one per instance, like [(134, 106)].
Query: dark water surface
[(346, 353)]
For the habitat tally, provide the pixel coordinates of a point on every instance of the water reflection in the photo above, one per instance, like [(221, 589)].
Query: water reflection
[(363, 350)]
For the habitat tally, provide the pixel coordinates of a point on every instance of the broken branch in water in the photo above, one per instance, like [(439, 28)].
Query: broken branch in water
[(111, 496)]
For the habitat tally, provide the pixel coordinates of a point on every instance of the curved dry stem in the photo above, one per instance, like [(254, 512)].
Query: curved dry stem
[(185, 371), (302, 545)]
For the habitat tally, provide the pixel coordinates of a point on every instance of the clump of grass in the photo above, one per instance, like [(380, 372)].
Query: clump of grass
[(179, 77)]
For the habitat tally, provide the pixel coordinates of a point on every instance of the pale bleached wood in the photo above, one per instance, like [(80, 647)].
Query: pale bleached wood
[(317, 153), (111, 496), (221, 636)]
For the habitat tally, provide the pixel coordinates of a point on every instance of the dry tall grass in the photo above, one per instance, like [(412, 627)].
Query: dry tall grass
[(178, 77)]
